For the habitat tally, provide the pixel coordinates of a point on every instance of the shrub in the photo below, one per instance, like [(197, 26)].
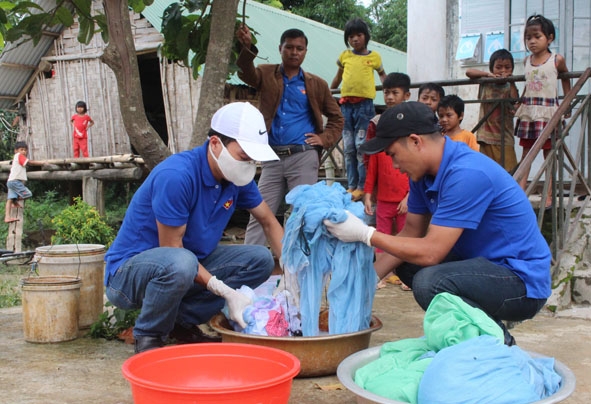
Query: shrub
[(38, 213), (113, 322), (81, 223)]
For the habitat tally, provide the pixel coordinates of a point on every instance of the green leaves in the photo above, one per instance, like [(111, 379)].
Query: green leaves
[(83, 7), (30, 25), (81, 223), (137, 5), (3, 18), (186, 36), (86, 31), (29, 19), (113, 321), (101, 21), (64, 16), (172, 21)]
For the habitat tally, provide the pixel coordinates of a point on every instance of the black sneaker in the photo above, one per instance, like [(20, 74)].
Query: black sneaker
[(146, 343), (193, 335), (509, 340)]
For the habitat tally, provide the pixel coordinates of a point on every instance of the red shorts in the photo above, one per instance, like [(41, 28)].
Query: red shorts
[(529, 143)]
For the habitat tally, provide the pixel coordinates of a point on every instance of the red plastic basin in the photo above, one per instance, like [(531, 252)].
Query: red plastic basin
[(211, 373)]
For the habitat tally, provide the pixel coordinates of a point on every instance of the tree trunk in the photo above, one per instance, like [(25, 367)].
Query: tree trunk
[(211, 97), (121, 57)]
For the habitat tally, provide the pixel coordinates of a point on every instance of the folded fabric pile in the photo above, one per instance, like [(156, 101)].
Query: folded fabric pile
[(461, 359)]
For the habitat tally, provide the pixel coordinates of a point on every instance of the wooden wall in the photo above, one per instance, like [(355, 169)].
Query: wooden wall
[(181, 98), (78, 74)]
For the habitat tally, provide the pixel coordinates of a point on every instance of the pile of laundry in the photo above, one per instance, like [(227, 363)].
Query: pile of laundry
[(272, 313), (313, 261), (461, 359)]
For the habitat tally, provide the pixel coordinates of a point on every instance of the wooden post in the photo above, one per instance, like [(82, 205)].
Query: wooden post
[(92, 193), (14, 240)]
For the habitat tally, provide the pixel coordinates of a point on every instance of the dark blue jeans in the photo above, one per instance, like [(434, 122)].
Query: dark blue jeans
[(357, 118), (160, 281), (494, 289)]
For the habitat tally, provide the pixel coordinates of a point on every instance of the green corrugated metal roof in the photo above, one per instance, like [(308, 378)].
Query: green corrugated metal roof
[(324, 43)]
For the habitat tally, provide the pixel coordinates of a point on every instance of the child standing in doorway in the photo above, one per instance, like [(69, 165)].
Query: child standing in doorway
[(451, 114), (81, 122), (17, 178), (499, 124), (385, 185), (356, 71), (539, 100)]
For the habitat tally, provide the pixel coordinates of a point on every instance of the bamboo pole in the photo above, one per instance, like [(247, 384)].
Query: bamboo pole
[(109, 174)]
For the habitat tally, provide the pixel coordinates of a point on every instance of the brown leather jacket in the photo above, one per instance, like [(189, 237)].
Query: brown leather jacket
[(268, 80)]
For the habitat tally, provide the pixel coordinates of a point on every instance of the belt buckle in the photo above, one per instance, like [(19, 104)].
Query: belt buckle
[(285, 152)]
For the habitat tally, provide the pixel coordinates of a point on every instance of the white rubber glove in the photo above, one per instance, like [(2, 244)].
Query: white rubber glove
[(351, 230), (237, 302)]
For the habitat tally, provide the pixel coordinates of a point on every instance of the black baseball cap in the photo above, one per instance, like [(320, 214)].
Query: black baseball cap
[(400, 121)]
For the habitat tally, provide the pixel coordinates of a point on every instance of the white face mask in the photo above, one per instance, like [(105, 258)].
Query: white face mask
[(237, 172)]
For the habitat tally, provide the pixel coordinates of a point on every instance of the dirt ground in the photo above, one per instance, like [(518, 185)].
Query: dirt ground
[(89, 371)]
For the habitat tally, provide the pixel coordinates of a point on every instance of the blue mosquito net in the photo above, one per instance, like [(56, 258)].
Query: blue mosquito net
[(318, 258)]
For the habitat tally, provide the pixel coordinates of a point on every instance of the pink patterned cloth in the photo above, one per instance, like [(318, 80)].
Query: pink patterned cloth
[(277, 326)]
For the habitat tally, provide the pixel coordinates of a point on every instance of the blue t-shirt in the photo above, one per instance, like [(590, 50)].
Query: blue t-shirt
[(473, 192), (294, 117), (180, 190)]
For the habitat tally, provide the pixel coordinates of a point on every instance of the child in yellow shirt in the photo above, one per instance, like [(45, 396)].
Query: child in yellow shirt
[(356, 68)]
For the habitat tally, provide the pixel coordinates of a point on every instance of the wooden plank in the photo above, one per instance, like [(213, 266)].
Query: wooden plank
[(15, 229), (111, 174), (119, 158), (93, 193)]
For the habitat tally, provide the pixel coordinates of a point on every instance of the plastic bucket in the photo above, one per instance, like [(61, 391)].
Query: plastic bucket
[(84, 261), (348, 367), (50, 308), (211, 373)]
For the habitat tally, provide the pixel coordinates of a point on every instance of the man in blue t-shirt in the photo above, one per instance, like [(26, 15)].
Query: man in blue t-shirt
[(470, 229), (166, 259), (301, 114)]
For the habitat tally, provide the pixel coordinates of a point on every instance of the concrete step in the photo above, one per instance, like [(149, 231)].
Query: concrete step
[(576, 311), (581, 286)]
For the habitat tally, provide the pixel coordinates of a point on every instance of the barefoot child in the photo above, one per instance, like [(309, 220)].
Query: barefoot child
[(539, 101), (81, 122), (356, 71), (16, 180), (495, 136)]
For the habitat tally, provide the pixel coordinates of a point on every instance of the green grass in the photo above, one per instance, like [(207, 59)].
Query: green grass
[(38, 229), (10, 289)]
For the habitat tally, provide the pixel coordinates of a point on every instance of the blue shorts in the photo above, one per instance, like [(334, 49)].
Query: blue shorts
[(16, 190)]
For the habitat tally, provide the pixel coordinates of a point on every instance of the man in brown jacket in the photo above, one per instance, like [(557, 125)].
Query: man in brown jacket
[(293, 103)]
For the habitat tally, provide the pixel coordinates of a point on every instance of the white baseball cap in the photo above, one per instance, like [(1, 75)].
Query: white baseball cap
[(243, 122)]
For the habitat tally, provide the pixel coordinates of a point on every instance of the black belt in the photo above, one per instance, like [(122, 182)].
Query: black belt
[(290, 149)]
